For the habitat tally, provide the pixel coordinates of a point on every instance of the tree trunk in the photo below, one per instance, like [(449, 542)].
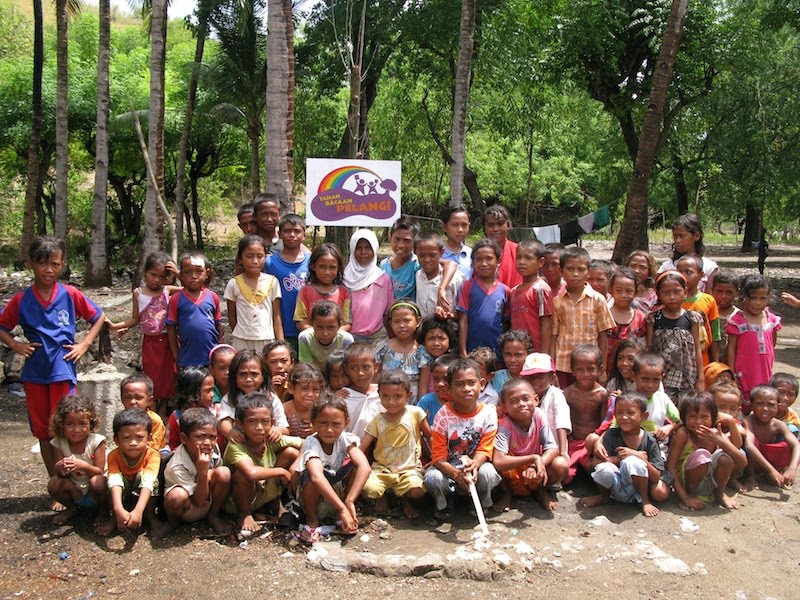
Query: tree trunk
[(98, 271), (752, 228), (198, 222), (466, 38), (62, 125), (279, 100), (633, 233), (681, 191), (254, 135), (152, 219)]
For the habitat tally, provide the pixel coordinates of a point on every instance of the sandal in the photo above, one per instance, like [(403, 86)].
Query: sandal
[(307, 535)]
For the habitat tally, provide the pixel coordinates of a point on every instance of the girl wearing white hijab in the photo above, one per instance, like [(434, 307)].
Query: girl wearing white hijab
[(370, 288)]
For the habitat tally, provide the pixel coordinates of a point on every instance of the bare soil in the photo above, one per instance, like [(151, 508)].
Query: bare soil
[(753, 552)]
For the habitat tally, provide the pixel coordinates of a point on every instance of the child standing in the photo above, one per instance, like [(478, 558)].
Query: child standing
[(80, 460), (625, 475), (254, 299), (752, 335), (136, 391), (150, 305), (277, 359), (47, 312), (487, 368), (687, 238), (600, 273), (197, 484), (462, 444), (194, 317), (725, 291), (496, 225), (531, 305), (455, 223), (305, 387), (580, 316), (267, 210), (396, 434), (403, 351), (630, 322), (290, 268), (643, 264), (482, 301), (674, 333), (329, 482), (370, 288), (551, 268), (438, 336), (325, 269), (362, 401), (689, 266), (429, 248), (325, 334)]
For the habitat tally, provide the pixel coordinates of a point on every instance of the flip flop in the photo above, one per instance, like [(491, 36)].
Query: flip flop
[(306, 535)]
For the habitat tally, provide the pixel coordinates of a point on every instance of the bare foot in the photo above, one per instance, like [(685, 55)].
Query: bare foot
[(57, 507), (503, 502), (726, 501), (690, 508), (159, 530), (247, 526), (409, 510), (218, 524), (748, 485), (382, 506), (592, 501), (66, 515), (736, 485), (105, 527), (546, 499), (648, 510)]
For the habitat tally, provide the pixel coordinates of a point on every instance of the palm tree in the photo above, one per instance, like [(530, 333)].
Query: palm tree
[(98, 271), (466, 38), (62, 126)]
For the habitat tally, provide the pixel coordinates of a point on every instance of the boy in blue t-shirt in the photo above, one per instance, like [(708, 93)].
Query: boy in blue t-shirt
[(47, 312), (290, 268)]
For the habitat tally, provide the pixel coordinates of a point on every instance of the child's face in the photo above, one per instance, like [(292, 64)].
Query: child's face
[(629, 415), (528, 263), (404, 323), (787, 393), (697, 418), (402, 243), (671, 293), (132, 442), (724, 294), (623, 291), (253, 258), (465, 388), (690, 272), (200, 440), (207, 392), (764, 407), (625, 363), (77, 426), (305, 393), (598, 280), (457, 227), (428, 255), (540, 382), (361, 371), (135, 395), (193, 273), (727, 403), (326, 268), (268, 215), (220, 368), (640, 266), (47, 271), (683, 240), (440, 387), (757, 301), (249, 378), (247, 223), (520, 402), (364, 254), (514, 354), (325, 328), (330, 422), (484, 263), (256, 425), (647, 380), (337, 377), (292, 235), (393, 398), (585, 371), (154, 278), (279, 361), (436, 342), (496, 230), (575, 272), (551, 269)]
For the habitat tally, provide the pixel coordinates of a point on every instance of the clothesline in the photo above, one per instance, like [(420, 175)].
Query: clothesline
[(565, 233)]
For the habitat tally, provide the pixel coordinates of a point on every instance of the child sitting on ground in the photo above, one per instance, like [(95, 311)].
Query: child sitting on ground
[(772, 449), (662, 415), (219, 360), (362, 400), (324, 336), (701, 457), (332, 470), (136, 391), (402, 351), (132, 474), (80, 455), (525, 451), (256, 480), (195, 388), (462, 441), (396, 434), (487, 364), (196, 482), (633, 467), (787, 386)]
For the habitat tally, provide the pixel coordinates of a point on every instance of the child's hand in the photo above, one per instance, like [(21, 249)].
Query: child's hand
[(134, 521), (693, 503), (710, 435), (203, 461), (236, 436), (61, 468), (788, 477), (274, 434), (442, 313), (75, 351), (725, 420), (170, 271), (26, 349), (341, 394), (790, 299), (123, 517), (278, 380), (347, 522), (283, 475), (663, 432), (600, 452), (443, 302), (623, 453)]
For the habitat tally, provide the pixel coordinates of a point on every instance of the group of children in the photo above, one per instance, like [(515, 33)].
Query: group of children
[(507, 367)]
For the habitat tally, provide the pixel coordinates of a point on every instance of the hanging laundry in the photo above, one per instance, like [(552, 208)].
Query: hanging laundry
[(548, 235), (602, 217), (587, 222), (570, 232)]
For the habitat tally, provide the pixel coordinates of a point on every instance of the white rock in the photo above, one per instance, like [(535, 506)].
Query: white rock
[(689, 526)]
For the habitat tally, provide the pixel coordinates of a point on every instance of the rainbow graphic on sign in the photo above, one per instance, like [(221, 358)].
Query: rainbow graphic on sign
[(354, 190)]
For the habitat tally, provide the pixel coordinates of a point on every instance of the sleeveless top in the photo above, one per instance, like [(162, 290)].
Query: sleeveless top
[(153, 312)]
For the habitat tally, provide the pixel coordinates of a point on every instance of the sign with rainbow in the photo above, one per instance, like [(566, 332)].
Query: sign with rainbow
[(364, 193)]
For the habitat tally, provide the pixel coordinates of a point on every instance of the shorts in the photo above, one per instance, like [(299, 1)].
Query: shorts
[(243, 344), (516, 482), (42, 400), (707, 486), (130, 491), (382, 479), (86, 501), (266, 491), (578, 457), (337, 479), (196, 513), (617, 479)]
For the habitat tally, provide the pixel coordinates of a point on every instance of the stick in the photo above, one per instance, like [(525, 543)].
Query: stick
[(473, 491)]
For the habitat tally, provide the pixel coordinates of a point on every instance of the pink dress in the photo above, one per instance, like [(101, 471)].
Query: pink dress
[(157, 361), (755, 349)]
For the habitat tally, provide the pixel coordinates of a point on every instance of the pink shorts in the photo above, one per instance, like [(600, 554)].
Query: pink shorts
[(43, 398)]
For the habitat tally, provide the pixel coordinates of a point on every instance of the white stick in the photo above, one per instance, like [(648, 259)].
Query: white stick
[(473, 491)]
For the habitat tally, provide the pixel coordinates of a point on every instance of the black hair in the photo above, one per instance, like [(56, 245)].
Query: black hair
[(199, 255), (428, 236), (606, 266), (574, 253), (553, 248), (498, 212), (195, 418), (188, 384), (394, 377), (691, 223), (670, 276), (445, 360), (693, 258), (156, 259), (764, 390), (263, 198), (326, 249), (486, 243), (136, 378), (512, 384), (637, 398), (251, 401), (291, 219), (329, 400), (585, 350), (275, 344), (242, 357), (132, 417), (624, 273), (358, 349), (326, 308), (532, 245), (485, 357), (334, 358), (431, 323), (45, 246), (448, 212), (245, 208), (786, 378), (517, 335), (306, 372), (73, 404), (407, 223), (648, 359), (614, 373), (693, 401), (462, 364), (251, 239), (725, 277), (750, 283)]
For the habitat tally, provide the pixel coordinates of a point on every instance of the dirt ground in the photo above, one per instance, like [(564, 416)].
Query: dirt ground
[(753, 552)]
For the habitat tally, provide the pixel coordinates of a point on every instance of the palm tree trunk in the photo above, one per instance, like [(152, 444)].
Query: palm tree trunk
[(466, 38), (32, 186), (62, 126), (98, 271), (633, 233)]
